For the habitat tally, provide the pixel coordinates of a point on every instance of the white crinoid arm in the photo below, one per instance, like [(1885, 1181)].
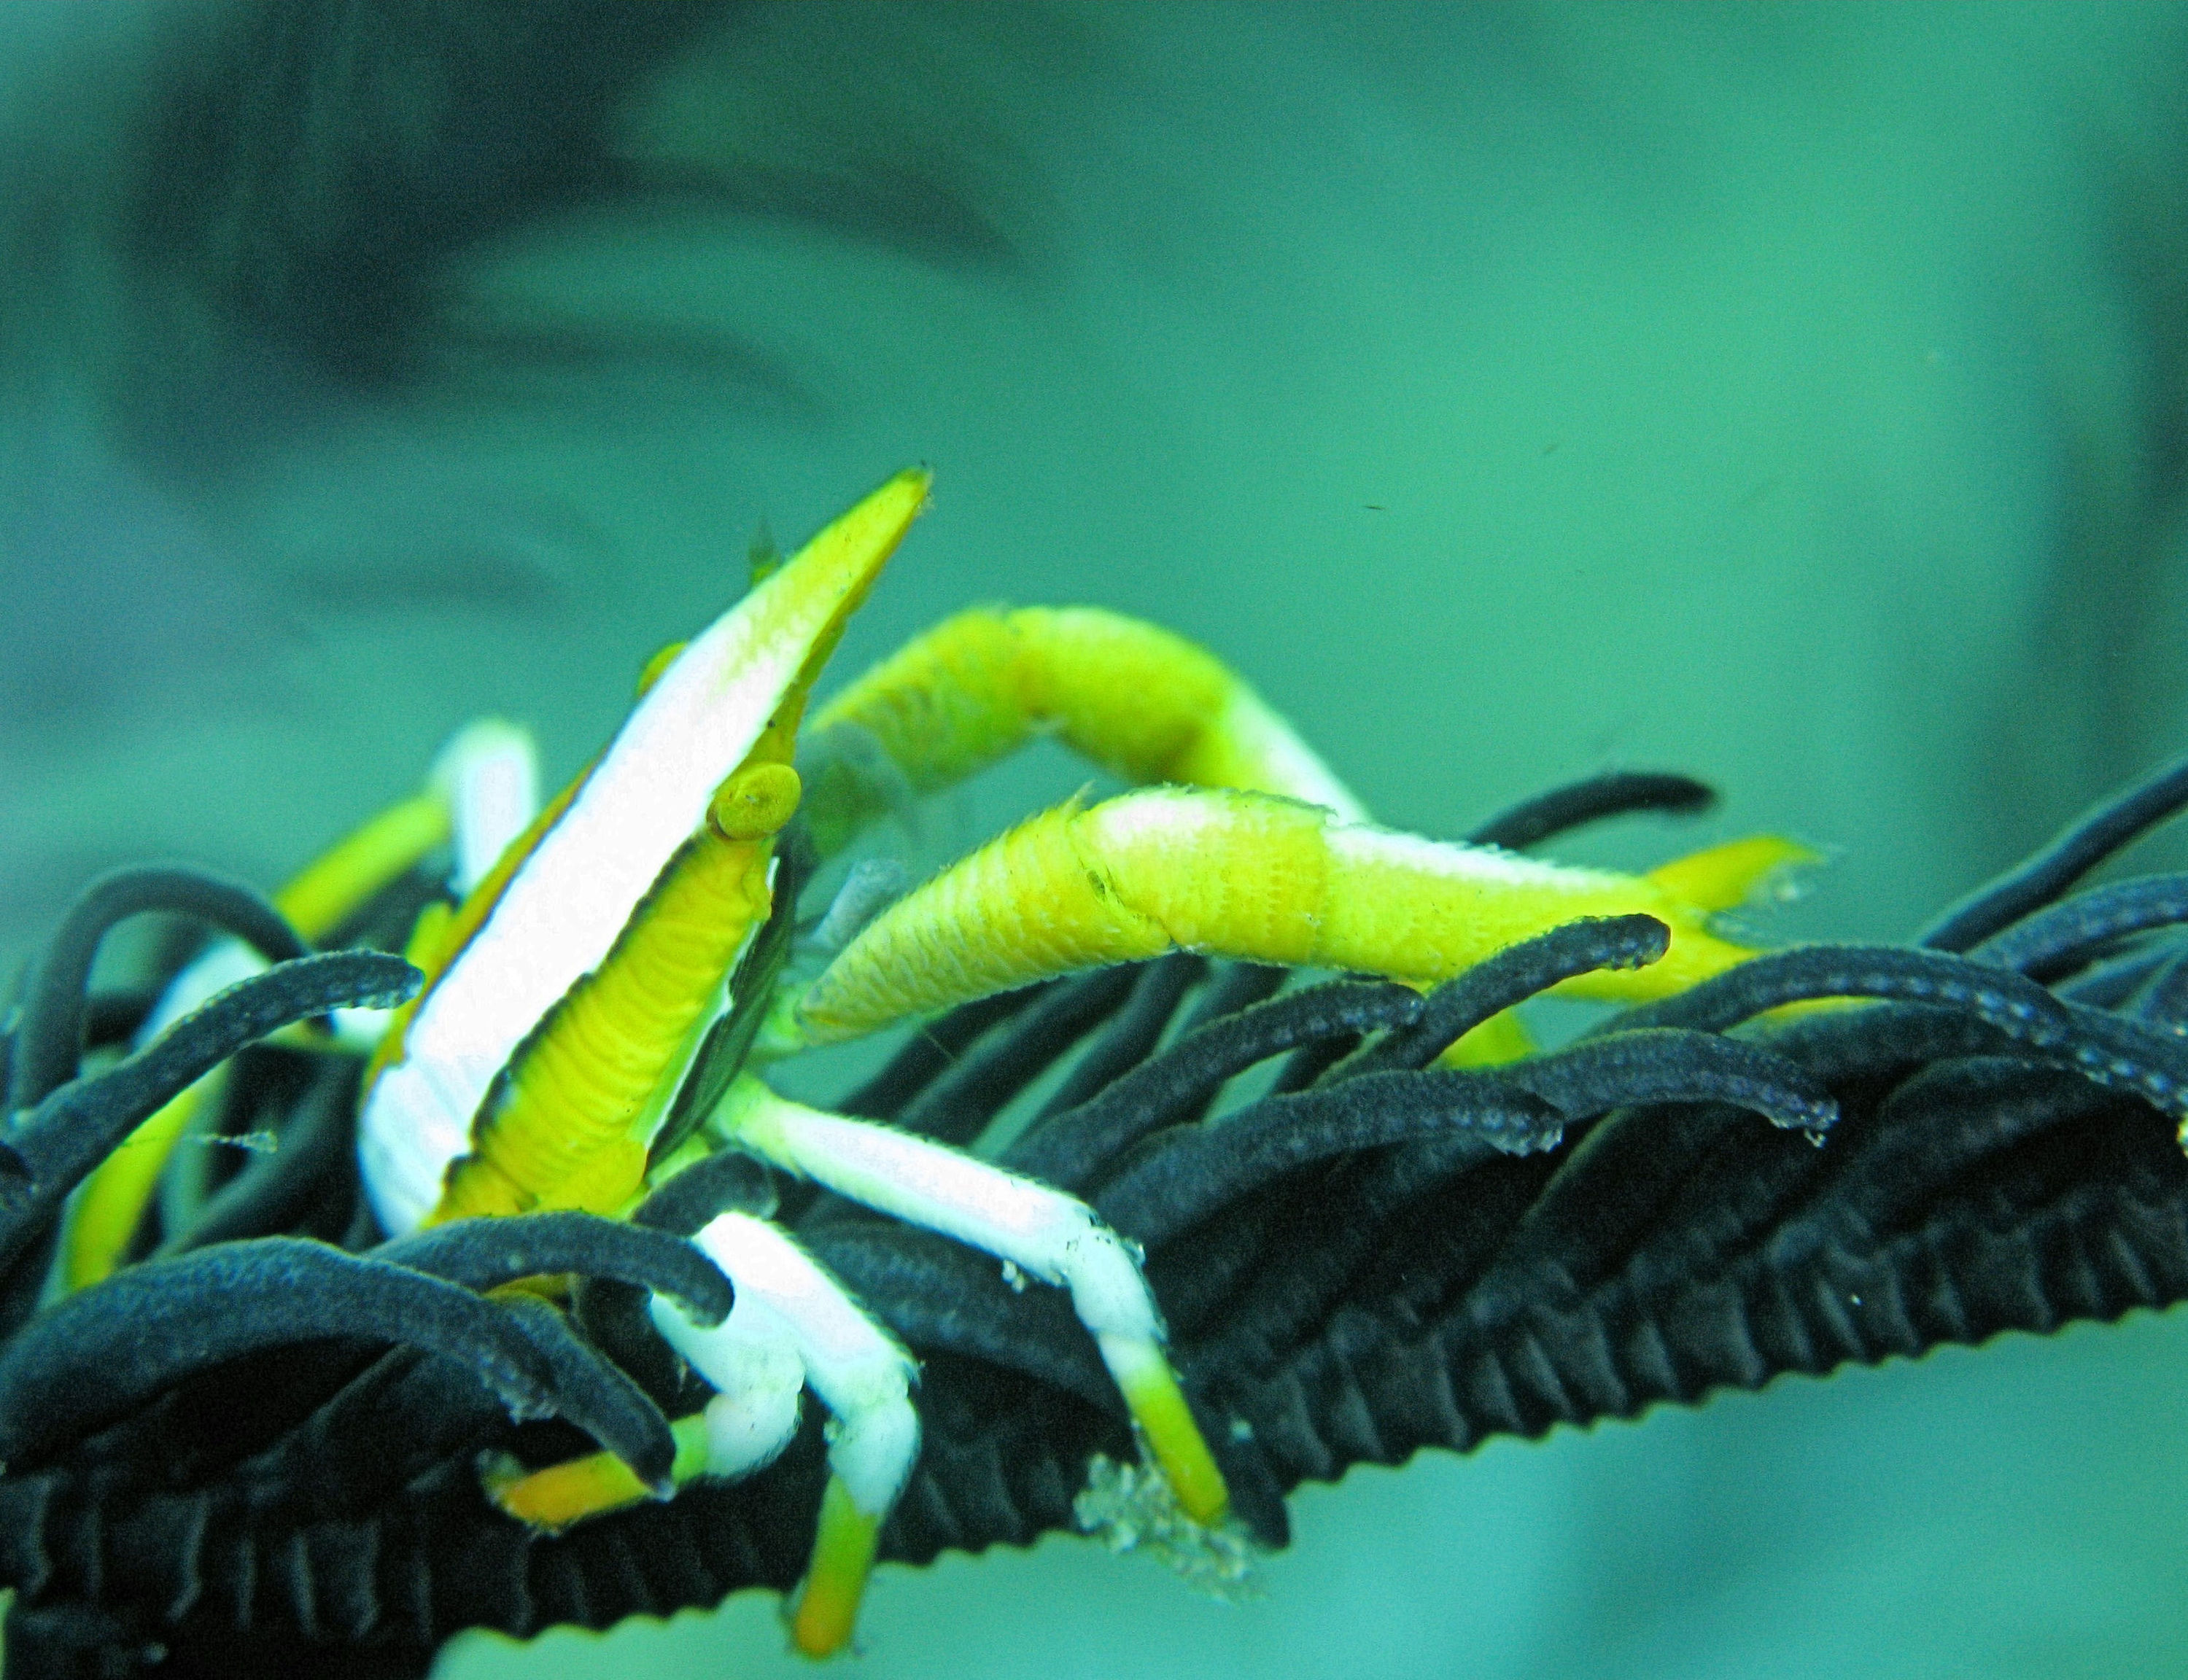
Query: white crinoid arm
[(1043, 1231)]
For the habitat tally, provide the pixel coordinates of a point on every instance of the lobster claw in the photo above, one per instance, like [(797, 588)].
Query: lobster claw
[(550, 912)]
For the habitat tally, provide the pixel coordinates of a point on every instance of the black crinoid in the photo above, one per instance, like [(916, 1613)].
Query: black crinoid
[(260, 1447)]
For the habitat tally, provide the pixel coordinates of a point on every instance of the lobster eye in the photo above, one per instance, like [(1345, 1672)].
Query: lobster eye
[(755, 802)]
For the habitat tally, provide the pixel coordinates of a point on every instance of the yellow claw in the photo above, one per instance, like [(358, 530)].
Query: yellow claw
[(1247, 875), (1142, 701), (567, 1119)]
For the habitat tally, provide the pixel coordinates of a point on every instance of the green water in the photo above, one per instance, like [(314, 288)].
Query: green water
[(1793, 395)]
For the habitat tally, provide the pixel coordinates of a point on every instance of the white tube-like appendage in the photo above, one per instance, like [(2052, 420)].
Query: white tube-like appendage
[(1036, 1228), (1043, 1231)]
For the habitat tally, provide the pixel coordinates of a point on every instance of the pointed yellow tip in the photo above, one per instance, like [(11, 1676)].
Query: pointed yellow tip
[(863, 538), (1166, 1423), (827, 1605), (832, 576), (1724, 877)]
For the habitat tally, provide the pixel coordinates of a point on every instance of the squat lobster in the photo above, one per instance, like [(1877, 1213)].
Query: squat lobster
[(570, 996)]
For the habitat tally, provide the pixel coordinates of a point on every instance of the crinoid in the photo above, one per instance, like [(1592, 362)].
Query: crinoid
[(1294, 1227)]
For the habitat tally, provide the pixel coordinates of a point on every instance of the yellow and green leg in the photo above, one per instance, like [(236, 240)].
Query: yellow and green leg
[(1260, 878)]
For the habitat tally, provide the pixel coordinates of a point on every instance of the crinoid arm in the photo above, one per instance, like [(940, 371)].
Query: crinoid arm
[(1358, 1294), (276, 1434), (481, 794)]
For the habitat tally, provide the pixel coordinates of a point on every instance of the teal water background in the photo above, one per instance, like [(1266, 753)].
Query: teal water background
[(1794, 395)]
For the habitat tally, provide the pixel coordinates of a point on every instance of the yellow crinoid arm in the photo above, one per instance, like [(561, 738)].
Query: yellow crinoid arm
[(1138, 699), (566, 1122), (1248, 876)]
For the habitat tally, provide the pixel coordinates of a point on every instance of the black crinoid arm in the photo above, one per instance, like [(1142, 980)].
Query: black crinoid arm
[(260, 1448)]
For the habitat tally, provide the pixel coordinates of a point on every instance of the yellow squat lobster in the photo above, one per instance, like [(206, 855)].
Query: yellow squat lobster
[(570, 992)]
